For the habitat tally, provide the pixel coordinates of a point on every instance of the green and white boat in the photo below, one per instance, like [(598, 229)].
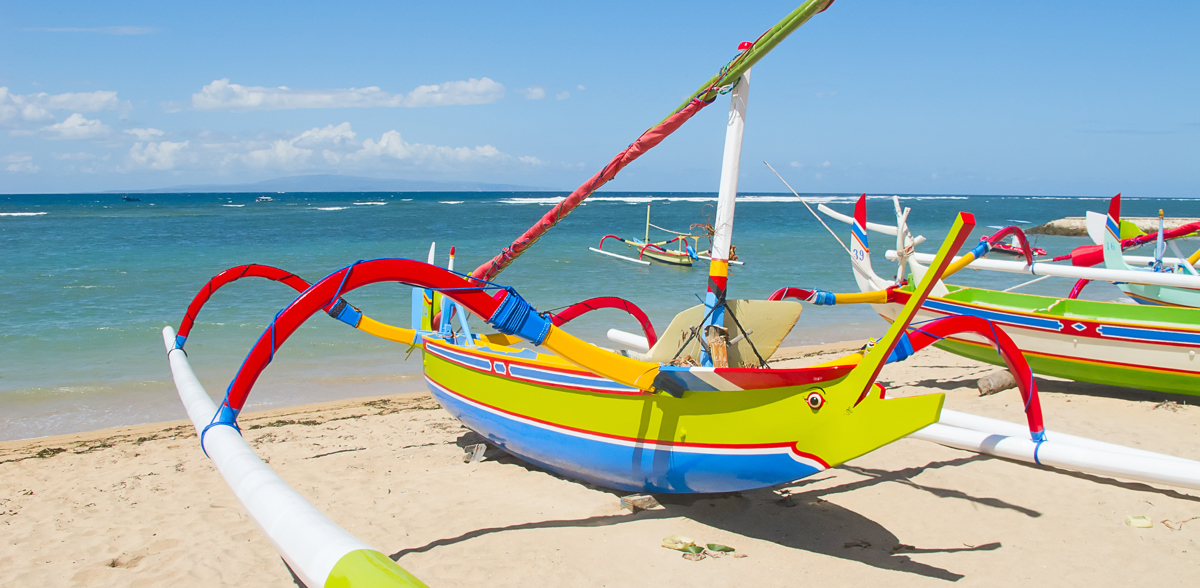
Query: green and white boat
[(1136, 346)]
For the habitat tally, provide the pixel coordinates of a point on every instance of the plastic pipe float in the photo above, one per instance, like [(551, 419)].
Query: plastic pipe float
[(319, 551)]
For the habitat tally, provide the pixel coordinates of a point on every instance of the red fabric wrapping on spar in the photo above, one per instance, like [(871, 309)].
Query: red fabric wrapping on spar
[(644, 143)]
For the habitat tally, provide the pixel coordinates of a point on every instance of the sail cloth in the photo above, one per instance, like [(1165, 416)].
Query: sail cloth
[(751, 53)]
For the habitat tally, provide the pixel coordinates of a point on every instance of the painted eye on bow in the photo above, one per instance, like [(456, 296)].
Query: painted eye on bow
[(815, 400)]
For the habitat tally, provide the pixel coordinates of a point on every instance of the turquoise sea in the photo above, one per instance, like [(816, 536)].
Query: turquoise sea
[(88, 281)]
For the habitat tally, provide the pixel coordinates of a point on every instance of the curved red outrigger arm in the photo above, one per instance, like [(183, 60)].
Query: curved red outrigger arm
[(580, 308), (1014, 230), (642, 251), (328, 291), (601, 245), (921, 336), (234, 274)]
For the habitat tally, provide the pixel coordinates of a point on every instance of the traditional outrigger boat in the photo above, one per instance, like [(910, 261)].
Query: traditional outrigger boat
[(1146, 347), (682, 254), (622, 421), (1101, 230)]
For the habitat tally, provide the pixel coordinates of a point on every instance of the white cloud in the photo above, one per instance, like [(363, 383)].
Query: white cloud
[(562, 95), (391, 145), (281, 153), (162, 155), (333, 148), (291, 153), (337, 135), (21, 164), (38, 107), (122, 30), (533, 93), (76, 127), (146, 134), (580, 87), (826, 164), (222, 95), (797, 164)]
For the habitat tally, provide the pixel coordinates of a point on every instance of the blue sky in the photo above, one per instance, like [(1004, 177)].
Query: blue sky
[(1069, 98)]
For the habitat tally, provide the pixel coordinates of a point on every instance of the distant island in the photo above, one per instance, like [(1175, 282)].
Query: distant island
[(338, 183)]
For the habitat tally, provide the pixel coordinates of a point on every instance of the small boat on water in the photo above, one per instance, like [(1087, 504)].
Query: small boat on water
[(682, 254), (264, 198), (130, 199)]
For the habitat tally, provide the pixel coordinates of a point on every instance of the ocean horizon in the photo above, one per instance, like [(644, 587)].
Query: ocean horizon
[(89, 281)]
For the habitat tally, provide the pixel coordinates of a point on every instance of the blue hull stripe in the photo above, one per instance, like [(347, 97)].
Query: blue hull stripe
[(553, 377), (462, 358), (861, 234), (627, 465), (531, 374), (1148, 334), (999, 317)]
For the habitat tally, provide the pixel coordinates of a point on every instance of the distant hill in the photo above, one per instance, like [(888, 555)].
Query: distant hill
[(338, 183)]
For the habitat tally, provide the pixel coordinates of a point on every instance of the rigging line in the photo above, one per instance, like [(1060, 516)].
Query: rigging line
[(819, 219), (670, 231), (762, 362), (719, 303), (1023, 284)]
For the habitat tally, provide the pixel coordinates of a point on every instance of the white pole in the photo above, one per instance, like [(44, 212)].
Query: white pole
[(730, 164), (1159, 469), (310, 542), (718, 268), (973, 422), (1069, 271)]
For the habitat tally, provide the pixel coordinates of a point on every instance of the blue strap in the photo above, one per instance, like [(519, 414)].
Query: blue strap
[(179, 341), (347, 313), (824, 298), (225, 415), (517, 317), (902, 351)]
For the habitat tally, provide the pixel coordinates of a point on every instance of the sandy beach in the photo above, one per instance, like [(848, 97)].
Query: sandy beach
[(142, 506)]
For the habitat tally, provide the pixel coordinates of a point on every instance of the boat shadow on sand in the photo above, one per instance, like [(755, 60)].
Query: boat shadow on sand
[(791, 517)]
